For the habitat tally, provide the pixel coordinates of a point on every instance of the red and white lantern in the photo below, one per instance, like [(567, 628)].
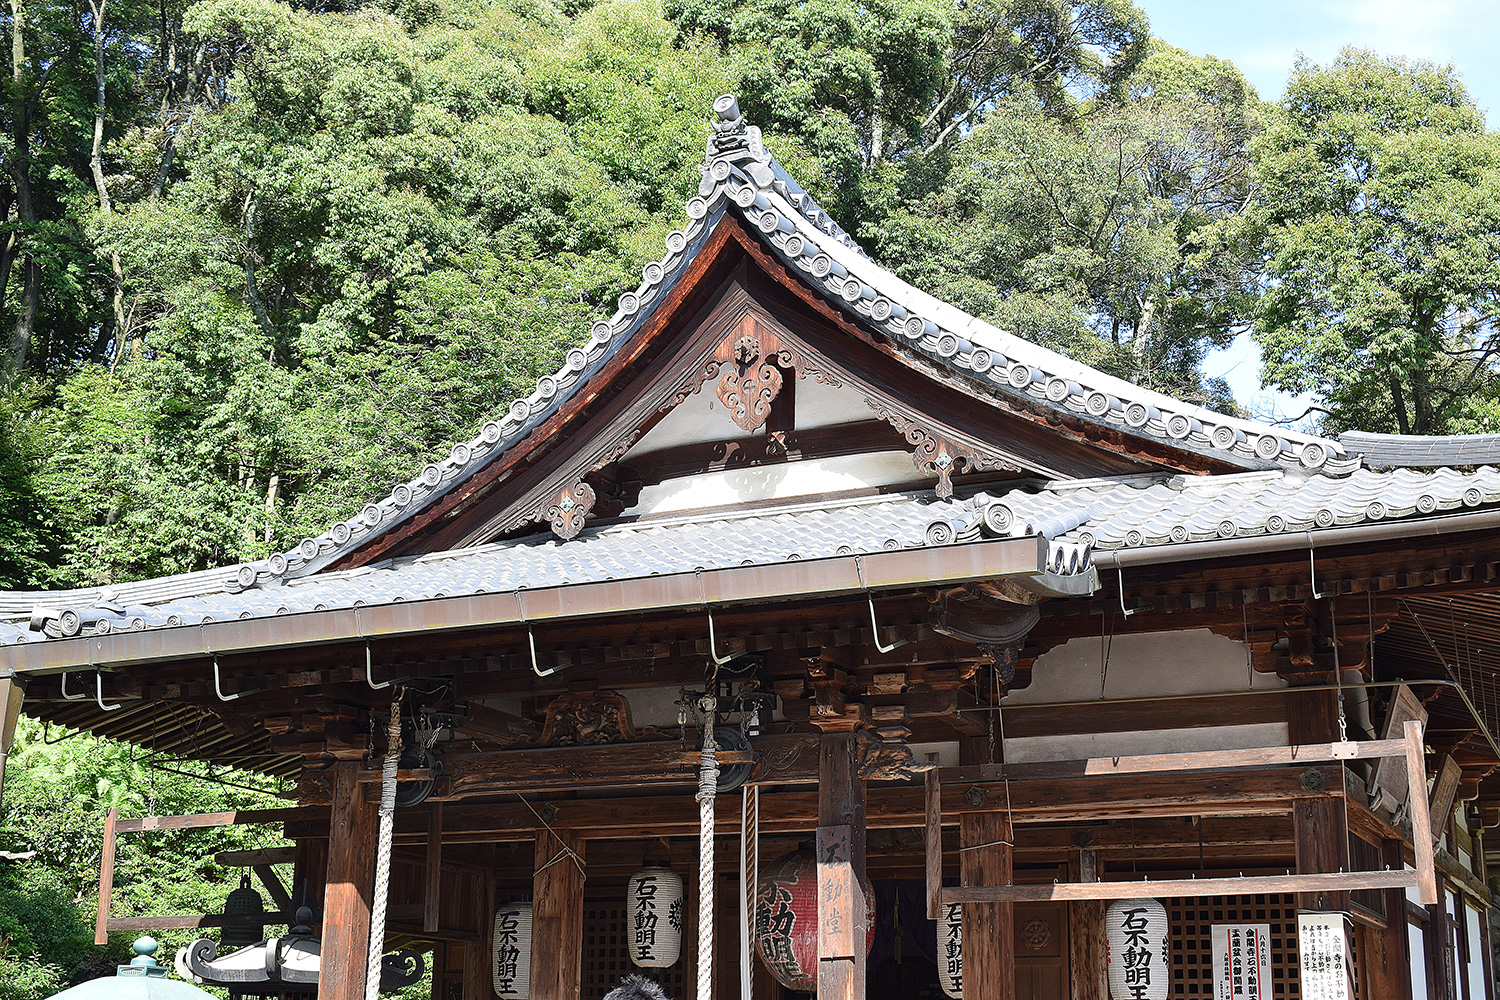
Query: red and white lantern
[(510, 955), (786, 920), (654, 899), (1137, 932), (950, 950)]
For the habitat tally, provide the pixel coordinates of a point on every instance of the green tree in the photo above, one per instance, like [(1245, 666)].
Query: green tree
[(1379, 193)]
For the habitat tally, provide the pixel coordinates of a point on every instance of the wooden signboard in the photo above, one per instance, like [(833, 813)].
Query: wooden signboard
[(1389, 788), (1444, 791), (839, 895)]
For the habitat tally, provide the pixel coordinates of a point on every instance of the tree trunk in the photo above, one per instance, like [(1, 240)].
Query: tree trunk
[(1398, 401), (20, 170)]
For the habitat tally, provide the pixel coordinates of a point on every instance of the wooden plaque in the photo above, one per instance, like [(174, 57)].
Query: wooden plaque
[(1388, 784)]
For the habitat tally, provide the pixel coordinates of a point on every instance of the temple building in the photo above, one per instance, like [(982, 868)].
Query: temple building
[(803, 634)]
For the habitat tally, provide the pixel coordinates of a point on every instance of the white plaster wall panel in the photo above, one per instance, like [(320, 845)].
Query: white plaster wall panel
[(1081, 746), (783, 481), (1195, 661), (699, 419), (822, 405)]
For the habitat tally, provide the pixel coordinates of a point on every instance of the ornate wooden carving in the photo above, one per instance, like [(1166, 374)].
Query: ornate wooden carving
[(750, 385), (568, 510), (937, 454), (586, 718)]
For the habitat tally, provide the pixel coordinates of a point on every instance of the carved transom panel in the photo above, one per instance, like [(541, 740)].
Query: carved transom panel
[(587, 718)]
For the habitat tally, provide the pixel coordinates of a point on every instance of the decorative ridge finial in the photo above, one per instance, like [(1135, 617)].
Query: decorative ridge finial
[(727, 107)]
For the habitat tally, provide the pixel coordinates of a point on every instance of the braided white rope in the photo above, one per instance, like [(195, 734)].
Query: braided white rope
[(708, 781), (383, 852)]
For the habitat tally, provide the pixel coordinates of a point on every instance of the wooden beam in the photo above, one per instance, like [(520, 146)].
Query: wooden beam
[(1421, 830), (841, 866), (187, 921), (432, 906), (1202, 760), (263, 856), (106, 877), (989, 924), (350, 883), (557, 917), (277, 891), (1190, 887), (201, 821)]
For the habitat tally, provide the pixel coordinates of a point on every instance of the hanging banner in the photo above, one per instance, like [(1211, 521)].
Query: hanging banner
[(950, 950), (510, 958), (654, 898), (1242, 961), (1137, 934), (1327, 971)]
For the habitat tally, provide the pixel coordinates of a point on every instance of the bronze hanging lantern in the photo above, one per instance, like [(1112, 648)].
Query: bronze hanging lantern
[(243, 902)]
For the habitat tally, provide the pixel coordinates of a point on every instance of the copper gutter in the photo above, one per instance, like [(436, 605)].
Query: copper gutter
[(834, 576)]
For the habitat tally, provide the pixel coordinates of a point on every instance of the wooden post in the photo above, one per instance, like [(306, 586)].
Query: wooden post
[(557, 918), (1442, 972), (1087, 945), (309, 870), (479, 981), (12, 690), (841, 867), (432, 907), (1321, 835), (106, 878), (1386, 968), (989, 928), (349, 886)]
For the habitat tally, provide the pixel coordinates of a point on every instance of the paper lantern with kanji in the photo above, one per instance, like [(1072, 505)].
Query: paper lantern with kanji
[(654, 899), (786, 920), (1137, 934), (950, 950), (510, 955)]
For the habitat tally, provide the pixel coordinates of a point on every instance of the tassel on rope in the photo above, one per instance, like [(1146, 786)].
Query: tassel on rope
[(708, 783), (383, 851)]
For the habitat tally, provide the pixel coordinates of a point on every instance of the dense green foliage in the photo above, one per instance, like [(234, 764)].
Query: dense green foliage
[(56, 793), (260, 259)]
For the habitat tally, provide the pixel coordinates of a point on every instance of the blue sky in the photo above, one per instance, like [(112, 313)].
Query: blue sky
[(1263, 40)]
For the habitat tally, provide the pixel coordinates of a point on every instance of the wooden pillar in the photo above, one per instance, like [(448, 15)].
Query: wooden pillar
[(1088, 948), (1442, 967), (1383, 958), (1321, 834), (479, 980), (12, 690), (432, 905), (557, 918), (989, 928), (348, 887), (309, 870), (841, 867)]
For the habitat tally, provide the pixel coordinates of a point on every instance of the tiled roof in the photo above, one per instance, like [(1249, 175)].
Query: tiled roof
[(1387, 450), (1076, 516), (741, 177)]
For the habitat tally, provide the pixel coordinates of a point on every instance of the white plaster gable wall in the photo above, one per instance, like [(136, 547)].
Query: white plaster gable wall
[(1189, 662), (783, 481), (699, 419), (822, 405)]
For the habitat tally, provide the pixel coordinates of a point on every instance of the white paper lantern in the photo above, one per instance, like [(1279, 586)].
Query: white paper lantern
[(950, 950), (510, 952), (654, 899), (1137, 932)]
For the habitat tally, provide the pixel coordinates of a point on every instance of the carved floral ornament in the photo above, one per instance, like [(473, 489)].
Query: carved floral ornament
[(569, 508), (749, 384)]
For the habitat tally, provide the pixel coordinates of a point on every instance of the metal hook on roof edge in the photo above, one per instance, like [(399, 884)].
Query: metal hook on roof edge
[(369, 676), (536, 667), (1312, 568), (99, 693), (218, 688), (874, 626), (63, 683), (1127, 612), (713, 642)]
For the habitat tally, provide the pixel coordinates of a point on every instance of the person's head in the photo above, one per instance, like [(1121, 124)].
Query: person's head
[(636, 988)]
